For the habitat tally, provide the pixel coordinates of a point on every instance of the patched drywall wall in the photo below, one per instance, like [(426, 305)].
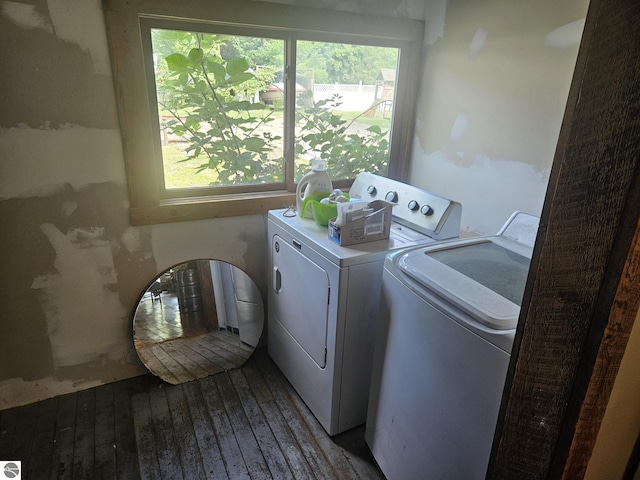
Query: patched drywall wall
[(73, 266), (494, 87), (55, 65), (386, 8)]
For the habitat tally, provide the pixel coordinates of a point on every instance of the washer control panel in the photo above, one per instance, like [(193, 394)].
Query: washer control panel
[(431, 214)]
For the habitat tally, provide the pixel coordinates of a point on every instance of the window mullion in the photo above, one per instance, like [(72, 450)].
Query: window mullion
[(289, 111)]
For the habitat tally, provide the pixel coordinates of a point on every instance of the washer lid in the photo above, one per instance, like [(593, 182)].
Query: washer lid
[(484, 277)]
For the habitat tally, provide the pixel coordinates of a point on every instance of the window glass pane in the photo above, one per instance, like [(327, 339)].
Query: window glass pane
[(344, 105), (216, 128)]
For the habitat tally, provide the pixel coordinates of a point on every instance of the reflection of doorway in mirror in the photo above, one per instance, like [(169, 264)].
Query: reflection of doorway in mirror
[(238, 302), (198, 319)]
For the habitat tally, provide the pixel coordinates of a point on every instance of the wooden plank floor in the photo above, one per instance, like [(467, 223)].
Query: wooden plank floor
[(246, 423)]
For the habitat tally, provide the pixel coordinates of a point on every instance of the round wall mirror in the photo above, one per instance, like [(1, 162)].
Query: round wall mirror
[(197, 319)]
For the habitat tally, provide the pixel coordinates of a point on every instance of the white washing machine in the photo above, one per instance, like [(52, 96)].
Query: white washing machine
[(447, 322), (324, 298)]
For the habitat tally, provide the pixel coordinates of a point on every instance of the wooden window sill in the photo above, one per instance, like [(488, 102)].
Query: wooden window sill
[(184, 210)]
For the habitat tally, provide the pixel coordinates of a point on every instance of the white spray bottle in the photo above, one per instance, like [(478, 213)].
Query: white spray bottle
[(317, 181)]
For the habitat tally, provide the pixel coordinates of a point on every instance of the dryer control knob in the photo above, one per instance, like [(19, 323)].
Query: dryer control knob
[(413, 205), (426, 210), (391, 197), (371, 190)]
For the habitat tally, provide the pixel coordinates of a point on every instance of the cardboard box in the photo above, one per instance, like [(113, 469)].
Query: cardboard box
[(369, 224)]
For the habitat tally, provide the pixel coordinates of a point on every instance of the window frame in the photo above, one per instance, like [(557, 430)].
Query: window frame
[(146, 25), (123, 24)]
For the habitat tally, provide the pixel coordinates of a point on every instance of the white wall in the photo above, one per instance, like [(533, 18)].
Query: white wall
[(495, 81), (621, 423)]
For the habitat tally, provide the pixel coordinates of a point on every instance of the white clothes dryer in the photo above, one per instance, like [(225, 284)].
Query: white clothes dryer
[(323, 298), (447, 322)]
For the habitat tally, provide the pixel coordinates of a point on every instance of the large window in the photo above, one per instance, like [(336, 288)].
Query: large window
[(222, 115)]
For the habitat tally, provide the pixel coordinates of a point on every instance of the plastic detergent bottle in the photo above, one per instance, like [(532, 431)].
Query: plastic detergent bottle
[(314, 184)]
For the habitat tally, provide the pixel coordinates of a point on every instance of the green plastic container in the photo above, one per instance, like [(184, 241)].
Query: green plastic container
[(322, 212)]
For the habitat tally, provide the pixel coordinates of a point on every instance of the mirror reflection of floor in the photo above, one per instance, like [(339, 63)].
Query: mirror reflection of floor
[(178, 347)]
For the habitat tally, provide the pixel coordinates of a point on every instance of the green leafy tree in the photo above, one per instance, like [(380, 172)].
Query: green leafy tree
[(209, 101), (344, 63), (257, 51), (325, 134), (206, 86)]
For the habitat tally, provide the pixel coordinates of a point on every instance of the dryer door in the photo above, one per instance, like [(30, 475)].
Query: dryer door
[(300, 293)]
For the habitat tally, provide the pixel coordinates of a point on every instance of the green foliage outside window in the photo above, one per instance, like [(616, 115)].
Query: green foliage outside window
[(207, 100), (206, 95), (324, 134)]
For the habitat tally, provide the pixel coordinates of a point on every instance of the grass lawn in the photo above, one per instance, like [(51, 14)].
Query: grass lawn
[(384, 123), (179, 174)]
